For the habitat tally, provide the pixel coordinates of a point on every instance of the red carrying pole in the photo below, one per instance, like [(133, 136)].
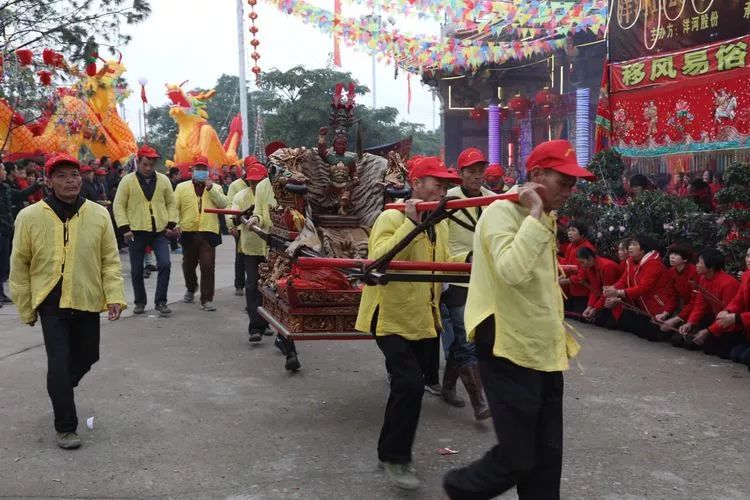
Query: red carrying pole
[(395, 265), (225, 211), (479, 201)]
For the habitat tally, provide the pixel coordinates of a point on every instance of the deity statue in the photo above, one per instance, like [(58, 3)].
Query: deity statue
[(342, 169)]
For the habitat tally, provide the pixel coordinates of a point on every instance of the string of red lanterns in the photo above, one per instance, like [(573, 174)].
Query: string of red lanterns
[(254, 42)]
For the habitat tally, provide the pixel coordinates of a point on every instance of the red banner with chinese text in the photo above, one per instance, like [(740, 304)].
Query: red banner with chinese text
[(679, 66), (706, 113)]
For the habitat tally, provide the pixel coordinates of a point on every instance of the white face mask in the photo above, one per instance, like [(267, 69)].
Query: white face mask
[(200, 175)]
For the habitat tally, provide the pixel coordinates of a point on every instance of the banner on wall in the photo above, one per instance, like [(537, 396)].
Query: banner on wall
[(705, 113), (643, 28), (680, 66)]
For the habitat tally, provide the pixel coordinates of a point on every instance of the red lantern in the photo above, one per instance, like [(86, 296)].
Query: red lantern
[(91, 69), (45, 78), (252, 3), (25, 57), (253, 30), (478, 114), (52, 58), (254, 43), (18, 119), (519, 105), (546, 99), (255, 56), (255, 70), (253, 16)]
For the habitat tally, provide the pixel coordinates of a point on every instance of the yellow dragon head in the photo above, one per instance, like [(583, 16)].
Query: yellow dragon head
[(107, 88), (188, 103)]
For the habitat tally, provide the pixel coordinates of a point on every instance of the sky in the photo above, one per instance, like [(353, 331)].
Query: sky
[(197, 41)]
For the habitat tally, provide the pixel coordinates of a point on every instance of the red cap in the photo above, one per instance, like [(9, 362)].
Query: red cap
[(273, 147), (201, 160), (86, 168), (147, 151), (58, 159), (557, 155), (432, 166), (100, 171), (249, 161), (469, 157), (256, 172), (494, 173)]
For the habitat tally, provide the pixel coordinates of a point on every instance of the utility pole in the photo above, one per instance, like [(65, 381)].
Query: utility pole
[(243, 77)]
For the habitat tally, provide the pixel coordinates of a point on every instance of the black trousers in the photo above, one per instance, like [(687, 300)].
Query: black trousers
[(239, 266), (641, 326), (407, 361), (253, 298), (71, 339), (527, 413)]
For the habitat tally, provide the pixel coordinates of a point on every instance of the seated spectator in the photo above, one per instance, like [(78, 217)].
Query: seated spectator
[(737, 314), (598, 272), (638, 184), (622, 254), (577, 293), (679, 186), (643, 290), (714, 292), (713, 182), (682, 275)]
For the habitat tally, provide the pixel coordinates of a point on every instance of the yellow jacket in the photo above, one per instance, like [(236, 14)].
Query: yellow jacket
[(190, 214), (411, 310), (250, 243), (92, 277), (461, 239), (131, 208), (234, 188), (514, 278), (265, 200)]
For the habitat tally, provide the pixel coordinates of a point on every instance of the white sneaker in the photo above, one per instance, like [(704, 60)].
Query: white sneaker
[(208, 306)]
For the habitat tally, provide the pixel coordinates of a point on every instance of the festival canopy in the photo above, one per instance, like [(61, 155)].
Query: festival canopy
[(477, 32)]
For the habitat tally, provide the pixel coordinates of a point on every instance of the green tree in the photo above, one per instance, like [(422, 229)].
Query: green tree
[(65, 25)]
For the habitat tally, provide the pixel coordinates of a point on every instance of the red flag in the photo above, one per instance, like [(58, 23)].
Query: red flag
[(408, 93), (143, 94), (336, 36)]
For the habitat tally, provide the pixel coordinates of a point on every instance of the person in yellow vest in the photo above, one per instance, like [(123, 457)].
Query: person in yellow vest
[(65, 270), (252, 249), (514, 313), (199, 231), (460, 354), (235, 187), (405, 317), (146, 215)]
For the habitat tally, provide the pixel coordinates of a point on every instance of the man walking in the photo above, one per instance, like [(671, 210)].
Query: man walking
[(146, 215), (405, 317), (66, 270), (199, 231), (238, 185), (514, 311), (252, 249)]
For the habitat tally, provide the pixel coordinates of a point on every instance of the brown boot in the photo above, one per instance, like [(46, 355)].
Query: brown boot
[(473, 383), (450, 377)]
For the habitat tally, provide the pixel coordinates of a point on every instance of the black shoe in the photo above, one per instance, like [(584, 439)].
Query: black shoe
[(4, 299), (280, 345), (146, 274), (255, 337), (152, 268), (163, 310), (139, 309), (292, 363)]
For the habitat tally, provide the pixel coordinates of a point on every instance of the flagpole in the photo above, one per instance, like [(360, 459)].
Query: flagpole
[(243, 78)]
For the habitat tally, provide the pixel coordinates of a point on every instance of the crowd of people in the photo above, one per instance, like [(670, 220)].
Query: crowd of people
[(503, 335)]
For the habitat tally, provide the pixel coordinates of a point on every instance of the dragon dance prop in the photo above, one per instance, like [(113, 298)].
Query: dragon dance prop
[(81, 120), (195, 137)]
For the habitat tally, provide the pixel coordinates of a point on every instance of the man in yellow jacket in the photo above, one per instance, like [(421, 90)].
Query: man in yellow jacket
[(514, 312), (65, 270), (240, 184), (405, 317), (460, 354), (252, 248), (146, 216), (199, 231)]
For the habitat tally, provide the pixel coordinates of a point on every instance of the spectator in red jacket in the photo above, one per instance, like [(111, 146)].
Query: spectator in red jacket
[(737, 314), (644, 289), (577, 291), (682, 273), (622, 254), (715, 291), (598, 272)]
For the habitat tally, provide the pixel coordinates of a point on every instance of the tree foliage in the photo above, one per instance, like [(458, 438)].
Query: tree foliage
[(66, 25)]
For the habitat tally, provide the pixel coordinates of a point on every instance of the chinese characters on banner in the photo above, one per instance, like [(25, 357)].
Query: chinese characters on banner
[(525, 145), (641, 28), (671, 68)]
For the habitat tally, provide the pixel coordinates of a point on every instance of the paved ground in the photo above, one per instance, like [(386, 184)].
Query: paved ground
[(186, 408)]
